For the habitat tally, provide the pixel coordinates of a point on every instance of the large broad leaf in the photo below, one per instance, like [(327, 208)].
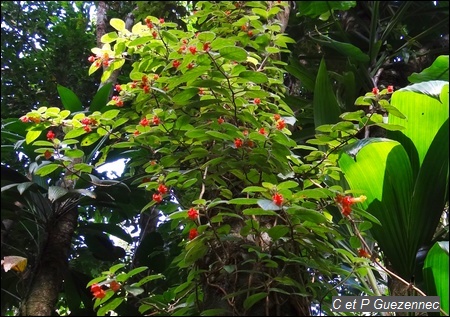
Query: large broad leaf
[(437, 71), (314, 9), (435, 271), (425, 115), (326, 107), (101, 98), (69, 100), (380, 168)]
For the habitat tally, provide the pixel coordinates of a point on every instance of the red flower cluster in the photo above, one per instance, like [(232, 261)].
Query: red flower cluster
[(220, 120), (390, 89), (193, 233), (238, 143), (156, 120), (162, 190), (98, 291), (144, 122), (118, 101), (192, 213), (257, 101), (51, 135), (280, 124), (363, 253), (278, 199), (345, 202)]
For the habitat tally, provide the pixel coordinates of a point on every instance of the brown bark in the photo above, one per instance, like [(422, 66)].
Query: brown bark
[(46, 283)]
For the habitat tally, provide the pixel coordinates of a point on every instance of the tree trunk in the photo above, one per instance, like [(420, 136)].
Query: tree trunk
[(46, 283)]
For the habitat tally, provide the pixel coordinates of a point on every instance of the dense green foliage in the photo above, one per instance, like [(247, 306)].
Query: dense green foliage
[(255, 176)]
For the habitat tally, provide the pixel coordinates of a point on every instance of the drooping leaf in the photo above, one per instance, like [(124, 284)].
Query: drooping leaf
[(69, 99), (437, 71), (436, 273), (101, 98), (326, 107)]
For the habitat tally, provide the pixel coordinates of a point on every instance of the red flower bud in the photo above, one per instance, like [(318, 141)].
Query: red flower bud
[(162, 189), (157, 198), (193, 233), (277, 199), (281, 124), (51, 135), (192, 213), (238, 143), (156, 120), (144, 122)]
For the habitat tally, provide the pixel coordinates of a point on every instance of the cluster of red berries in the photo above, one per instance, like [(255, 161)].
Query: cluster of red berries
[(99, 292), (162, 190), (87, 123)]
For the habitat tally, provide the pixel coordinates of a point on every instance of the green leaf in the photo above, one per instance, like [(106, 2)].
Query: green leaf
[(256, 77), (258, 212), (69, 100), (46, 169), (74, 133), (101, 98), (90, 139), (33, 134), (253, 299), (425, 116), (169, 36), (185, 95), (56, 192), (325, 105), (388, 186), (243, 201), (118, 24), (75, 153), (354, 53), (431, 88), (315, 9), (233, 53), (109, 37), (110, 306), (437, 71), (110, 114), (436, 273), (278, 231)]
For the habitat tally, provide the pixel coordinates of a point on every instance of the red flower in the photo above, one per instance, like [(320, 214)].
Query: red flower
[(162, 189), (390, 89), (250, 33), (133, 84), (97, 291), (136, 133), (193, 233), (276, 117), (220, 120), (346, 202), (118, 87), (144, 122), (281, 124), (363, 253), (206, 47), (192, 213), (87, 128), (106, 63), (25, 119), (190, 65), (156, 120), (156, 77), (51, 135), (181, 49), (155, 34), (245, 132), (149, 24), (375, 91), (257, 101), (277, 199), (114, 286), (144, 79), (237, 143), (118, 101), (243, 27), (85, 121), (161, 20), (201, 91), (146, 89), (157, 197), (250, 143), (193, 50), (262, 131), (91, 59), (176, 63), (47, 154)]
